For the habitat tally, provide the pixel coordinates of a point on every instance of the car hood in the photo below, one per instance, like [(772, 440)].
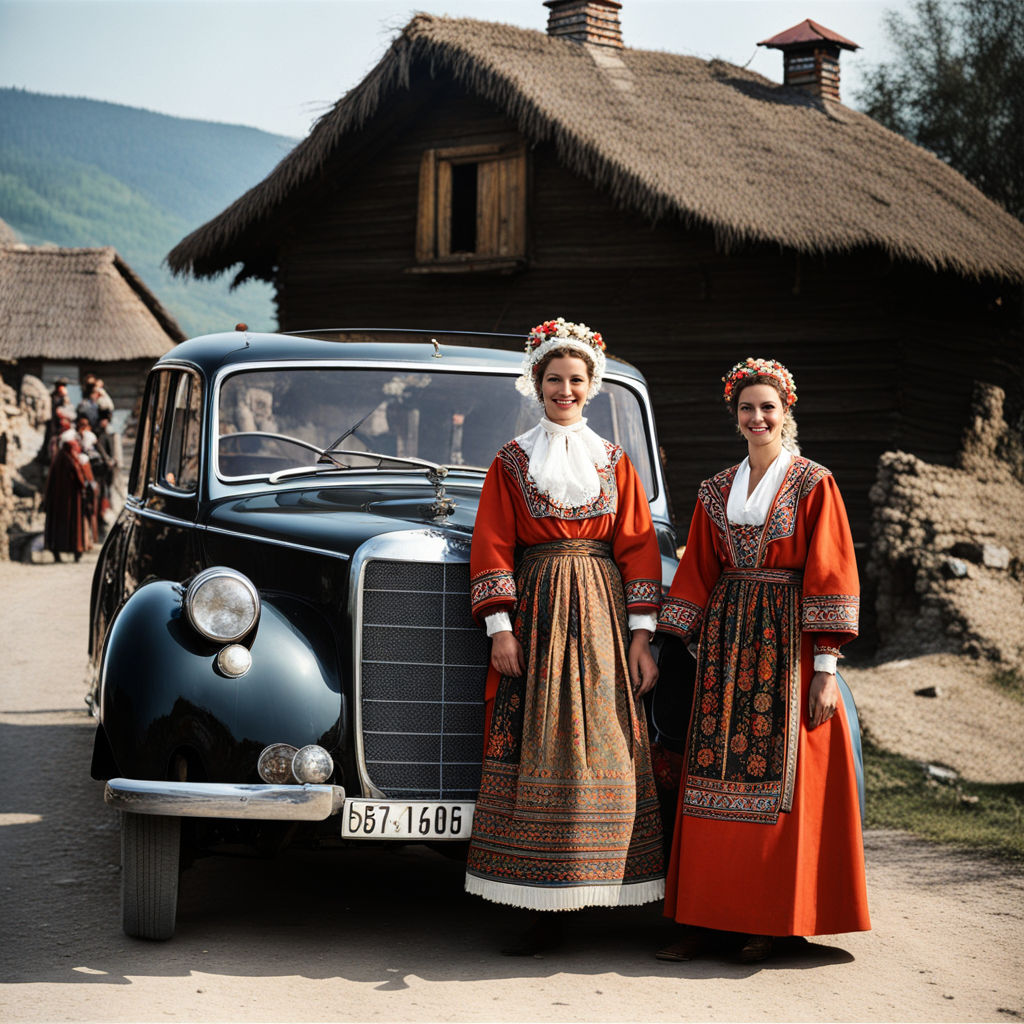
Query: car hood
[(341, 517)]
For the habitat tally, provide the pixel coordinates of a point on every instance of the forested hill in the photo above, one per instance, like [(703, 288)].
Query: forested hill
[(80, 172)]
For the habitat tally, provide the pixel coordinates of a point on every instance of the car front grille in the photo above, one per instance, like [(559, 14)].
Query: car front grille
[(423, 666)]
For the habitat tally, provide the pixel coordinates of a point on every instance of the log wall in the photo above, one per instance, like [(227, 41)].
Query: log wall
[(884, 355)]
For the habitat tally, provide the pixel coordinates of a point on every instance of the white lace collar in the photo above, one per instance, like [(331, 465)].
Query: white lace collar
[(564, 460)]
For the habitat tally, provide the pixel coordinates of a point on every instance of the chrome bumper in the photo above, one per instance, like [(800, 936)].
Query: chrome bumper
[(224, 800)]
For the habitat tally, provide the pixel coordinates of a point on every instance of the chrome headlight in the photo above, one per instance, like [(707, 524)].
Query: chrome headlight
[(234, 660), (222, 604), (312, 764), (275, 764)]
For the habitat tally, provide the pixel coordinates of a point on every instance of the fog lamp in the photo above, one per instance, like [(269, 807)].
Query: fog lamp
[(234, 660), (222, 604), (312, 764), (275, 764)]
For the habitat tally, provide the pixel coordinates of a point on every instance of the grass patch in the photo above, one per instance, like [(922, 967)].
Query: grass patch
[(988, 817), (1009, 681)]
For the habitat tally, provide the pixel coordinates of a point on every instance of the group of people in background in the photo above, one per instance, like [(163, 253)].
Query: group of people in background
[(566, 578), (83, 455)]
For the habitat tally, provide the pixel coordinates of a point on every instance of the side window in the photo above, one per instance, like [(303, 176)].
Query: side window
[(472, 205), (179, 459), (148, 439)]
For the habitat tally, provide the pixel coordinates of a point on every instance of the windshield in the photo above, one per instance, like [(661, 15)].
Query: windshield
[(280, 419)]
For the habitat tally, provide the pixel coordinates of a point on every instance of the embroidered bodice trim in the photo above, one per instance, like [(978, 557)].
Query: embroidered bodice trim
[(517, 464), (747, 545)]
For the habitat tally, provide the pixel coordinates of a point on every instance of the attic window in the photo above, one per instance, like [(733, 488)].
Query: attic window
[(472, 208)]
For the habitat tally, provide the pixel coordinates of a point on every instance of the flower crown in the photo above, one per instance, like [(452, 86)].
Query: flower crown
[(562, 328), (561, 333), (751, 367)]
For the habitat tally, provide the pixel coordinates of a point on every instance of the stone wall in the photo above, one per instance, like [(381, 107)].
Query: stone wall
[(8, 410), (947, 545), (22, 424)]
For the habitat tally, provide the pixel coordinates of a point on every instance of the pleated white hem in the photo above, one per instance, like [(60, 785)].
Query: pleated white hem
[(575, 897)]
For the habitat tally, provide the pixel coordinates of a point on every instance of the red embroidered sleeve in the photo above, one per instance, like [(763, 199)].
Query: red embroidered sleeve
[(683, 609), (831, 589), (634, 544), (491, 561), (680, 617)]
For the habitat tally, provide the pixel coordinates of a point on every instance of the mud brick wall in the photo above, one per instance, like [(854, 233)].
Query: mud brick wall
[(947, 549)]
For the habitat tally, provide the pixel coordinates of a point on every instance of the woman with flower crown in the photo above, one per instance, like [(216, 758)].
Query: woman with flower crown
[(767, 839), (566, 577)]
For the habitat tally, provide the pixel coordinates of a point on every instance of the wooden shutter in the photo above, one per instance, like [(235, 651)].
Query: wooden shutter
[(501, 206), (426, 220)]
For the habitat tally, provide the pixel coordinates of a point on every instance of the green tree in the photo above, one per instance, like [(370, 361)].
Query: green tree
[(956, 87)]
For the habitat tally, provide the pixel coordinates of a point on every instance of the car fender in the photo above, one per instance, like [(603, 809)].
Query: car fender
[(161, 691)]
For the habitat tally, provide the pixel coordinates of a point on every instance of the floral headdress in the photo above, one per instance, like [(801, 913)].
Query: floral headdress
[(751, 367), (561, 333)]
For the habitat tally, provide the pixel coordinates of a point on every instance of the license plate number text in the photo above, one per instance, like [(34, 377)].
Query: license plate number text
[(371, 819)]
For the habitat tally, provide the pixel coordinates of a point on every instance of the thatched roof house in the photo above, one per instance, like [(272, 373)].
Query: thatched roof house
[(667, 136), (484, 176), (71, 311)]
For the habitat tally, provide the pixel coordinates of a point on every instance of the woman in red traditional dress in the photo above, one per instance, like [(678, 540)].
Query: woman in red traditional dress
[(767, 840), (565, 566), (66, 500)]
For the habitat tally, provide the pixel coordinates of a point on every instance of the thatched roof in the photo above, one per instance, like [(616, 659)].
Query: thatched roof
[(78, 304), (670, 137)]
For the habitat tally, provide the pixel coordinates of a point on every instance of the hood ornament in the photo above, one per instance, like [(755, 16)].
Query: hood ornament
[(442, 506)]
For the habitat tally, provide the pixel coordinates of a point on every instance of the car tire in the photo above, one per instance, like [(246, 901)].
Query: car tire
[(150, 856)]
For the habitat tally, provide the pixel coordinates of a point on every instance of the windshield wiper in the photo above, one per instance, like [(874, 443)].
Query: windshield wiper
[(333, 446), (433, 469)]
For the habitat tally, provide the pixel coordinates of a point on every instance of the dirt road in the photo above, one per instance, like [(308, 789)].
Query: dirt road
[(389, 935)]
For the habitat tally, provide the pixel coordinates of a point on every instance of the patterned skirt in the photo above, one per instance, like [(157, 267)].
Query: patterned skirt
[(567, 814)]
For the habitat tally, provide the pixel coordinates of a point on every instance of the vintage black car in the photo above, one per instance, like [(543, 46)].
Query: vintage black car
[(281, 643)]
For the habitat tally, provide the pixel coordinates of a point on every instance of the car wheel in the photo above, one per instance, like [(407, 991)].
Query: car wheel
[(150, 853)]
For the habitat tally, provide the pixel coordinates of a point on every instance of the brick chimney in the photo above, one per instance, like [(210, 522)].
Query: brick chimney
[(810, 56), (586, 21)]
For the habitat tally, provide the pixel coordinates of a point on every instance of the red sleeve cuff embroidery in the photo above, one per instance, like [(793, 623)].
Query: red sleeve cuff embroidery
[(643, 597), (680, 617), (831, 613), (493, 590)]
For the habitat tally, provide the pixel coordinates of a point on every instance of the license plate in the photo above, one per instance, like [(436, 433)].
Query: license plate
[(410, 819)]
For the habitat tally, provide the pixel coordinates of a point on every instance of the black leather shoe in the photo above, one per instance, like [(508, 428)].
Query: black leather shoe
[(755, 949), (690, 944), (544, 933)]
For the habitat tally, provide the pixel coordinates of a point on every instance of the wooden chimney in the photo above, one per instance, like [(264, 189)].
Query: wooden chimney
[(810, 54)]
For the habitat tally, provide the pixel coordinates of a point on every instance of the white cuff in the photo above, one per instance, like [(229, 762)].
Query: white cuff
[(825, 663), (648, 622), (498, 622)]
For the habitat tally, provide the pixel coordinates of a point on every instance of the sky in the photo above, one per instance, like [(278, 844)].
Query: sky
[(279, 64)]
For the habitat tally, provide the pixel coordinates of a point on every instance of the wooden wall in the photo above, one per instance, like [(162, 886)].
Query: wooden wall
[(884, 356)]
